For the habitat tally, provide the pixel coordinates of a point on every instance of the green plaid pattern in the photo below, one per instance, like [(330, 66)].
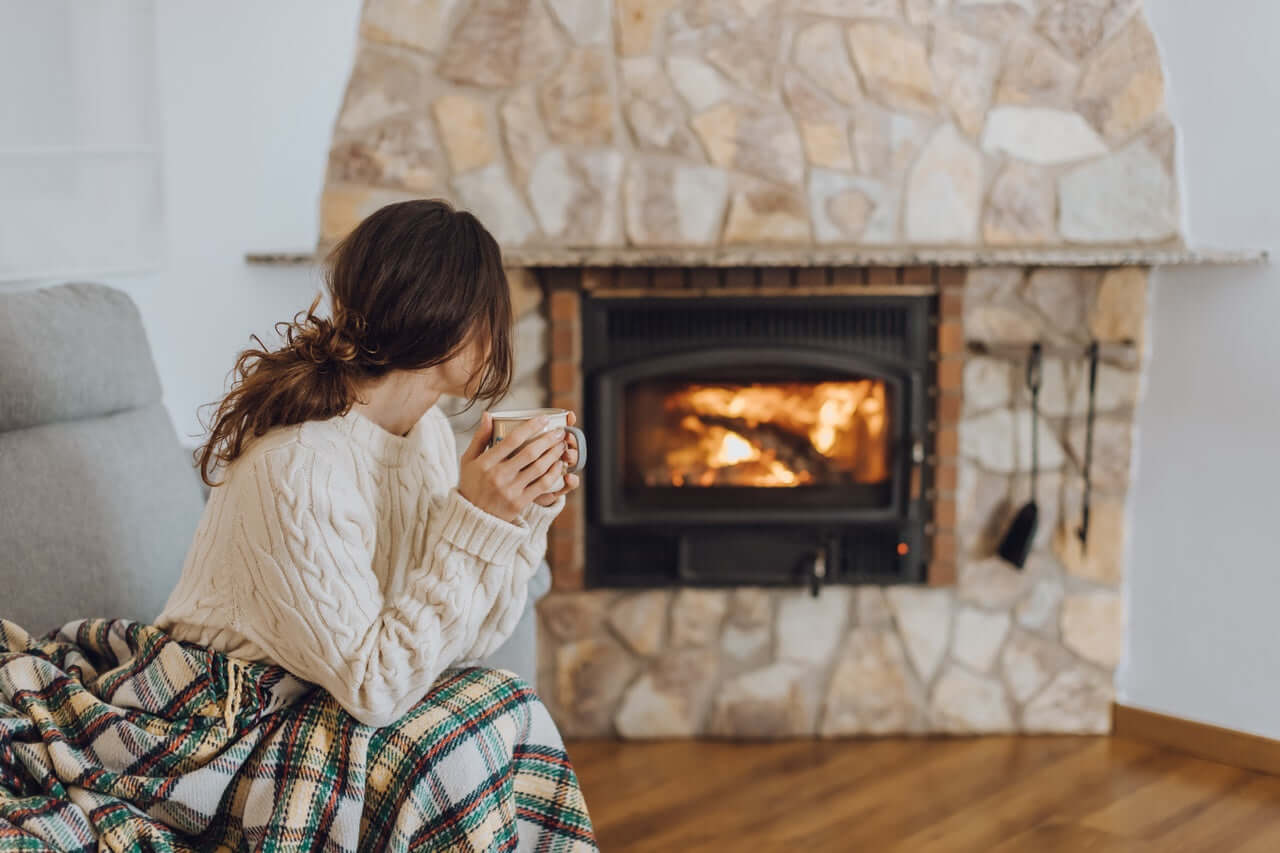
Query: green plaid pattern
[(114, 736)]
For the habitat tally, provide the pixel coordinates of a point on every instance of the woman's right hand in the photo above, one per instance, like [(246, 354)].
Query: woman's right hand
[(504, 479)]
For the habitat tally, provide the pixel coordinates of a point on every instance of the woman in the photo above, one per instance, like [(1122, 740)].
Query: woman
[(343, 540)]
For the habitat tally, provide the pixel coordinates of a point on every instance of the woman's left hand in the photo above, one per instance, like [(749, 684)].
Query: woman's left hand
[(570, 458)]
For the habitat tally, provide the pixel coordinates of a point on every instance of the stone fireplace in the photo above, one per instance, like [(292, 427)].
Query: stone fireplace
[(787, 260)]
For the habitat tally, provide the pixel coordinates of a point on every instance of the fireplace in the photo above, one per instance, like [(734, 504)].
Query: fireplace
[(768, 440), (1010, 164)]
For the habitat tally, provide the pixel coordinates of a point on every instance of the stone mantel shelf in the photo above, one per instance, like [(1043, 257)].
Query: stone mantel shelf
[(847, 256)]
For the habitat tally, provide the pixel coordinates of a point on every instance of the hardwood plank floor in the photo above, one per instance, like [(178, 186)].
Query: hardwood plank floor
[(915, 795)]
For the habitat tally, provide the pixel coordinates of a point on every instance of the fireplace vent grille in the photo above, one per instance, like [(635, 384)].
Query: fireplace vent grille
[(880, 330)]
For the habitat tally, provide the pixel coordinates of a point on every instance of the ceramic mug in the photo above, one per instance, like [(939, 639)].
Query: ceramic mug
[(505, 423)]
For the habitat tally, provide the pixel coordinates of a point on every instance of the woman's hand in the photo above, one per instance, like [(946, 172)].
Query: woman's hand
[(570, 458), (504, 479)]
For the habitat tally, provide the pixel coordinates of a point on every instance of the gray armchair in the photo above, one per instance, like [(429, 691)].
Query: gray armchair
[(98, 499)]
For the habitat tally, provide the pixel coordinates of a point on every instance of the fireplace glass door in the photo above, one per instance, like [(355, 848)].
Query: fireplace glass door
[(702, 442), (774, 435)]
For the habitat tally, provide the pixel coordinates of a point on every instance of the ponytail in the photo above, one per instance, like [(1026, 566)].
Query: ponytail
[(312, 377)]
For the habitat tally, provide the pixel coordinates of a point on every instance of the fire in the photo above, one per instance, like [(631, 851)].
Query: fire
[(767, 435), (732, 450), (715, 448)]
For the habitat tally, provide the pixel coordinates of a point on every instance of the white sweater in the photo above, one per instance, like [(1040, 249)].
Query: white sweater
[(344, 553)]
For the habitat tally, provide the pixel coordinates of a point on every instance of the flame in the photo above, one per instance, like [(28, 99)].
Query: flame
[(732, 450), (835, 411), (770, 434)]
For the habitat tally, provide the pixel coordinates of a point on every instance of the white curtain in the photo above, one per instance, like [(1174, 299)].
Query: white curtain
[(80, 168)]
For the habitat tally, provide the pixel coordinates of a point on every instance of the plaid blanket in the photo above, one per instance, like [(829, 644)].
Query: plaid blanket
[(114, 736)]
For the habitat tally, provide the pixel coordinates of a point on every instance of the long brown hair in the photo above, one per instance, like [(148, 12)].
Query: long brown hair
[(410, 287)]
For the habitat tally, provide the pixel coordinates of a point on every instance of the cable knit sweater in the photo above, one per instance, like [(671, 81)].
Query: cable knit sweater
[(344, 553)]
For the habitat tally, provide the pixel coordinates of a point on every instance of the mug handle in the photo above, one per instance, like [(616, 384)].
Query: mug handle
[(581, 439)]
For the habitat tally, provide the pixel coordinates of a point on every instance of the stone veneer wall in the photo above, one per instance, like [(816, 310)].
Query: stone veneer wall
[(999, 651), (723, 122)]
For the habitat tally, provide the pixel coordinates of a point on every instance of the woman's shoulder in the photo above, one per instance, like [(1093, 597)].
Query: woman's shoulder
[(288, 461), (341, 442), (274, 451), (308, 442), (299, 475), (350, 442)]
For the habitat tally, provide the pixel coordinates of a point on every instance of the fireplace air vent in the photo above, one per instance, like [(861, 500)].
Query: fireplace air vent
[(884, 330)]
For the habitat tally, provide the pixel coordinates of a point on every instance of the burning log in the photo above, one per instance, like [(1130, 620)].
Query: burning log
[(793, 450), (766, 435)]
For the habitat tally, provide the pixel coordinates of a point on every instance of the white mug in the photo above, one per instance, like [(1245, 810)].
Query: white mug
[(505, 423)]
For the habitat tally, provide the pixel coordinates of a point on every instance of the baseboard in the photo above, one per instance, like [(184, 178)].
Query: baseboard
[(1226, 746)]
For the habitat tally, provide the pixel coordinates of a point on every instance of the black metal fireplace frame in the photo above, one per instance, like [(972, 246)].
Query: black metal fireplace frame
[(787, 538)]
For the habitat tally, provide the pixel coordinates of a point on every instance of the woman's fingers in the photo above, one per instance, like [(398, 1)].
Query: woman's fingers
[(517, 437), (548, 464), (529, 464), (551, 442), (571, 482), (571, 454), (547, 482)]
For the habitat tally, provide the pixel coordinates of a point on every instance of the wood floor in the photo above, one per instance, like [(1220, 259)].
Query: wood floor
[(993, 795)]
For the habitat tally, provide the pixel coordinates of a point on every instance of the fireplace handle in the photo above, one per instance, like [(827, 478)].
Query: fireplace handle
[(915, 475), (818, 572)]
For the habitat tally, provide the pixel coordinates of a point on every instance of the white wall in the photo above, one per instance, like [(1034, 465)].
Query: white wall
[(1203, 638), (248, 95)]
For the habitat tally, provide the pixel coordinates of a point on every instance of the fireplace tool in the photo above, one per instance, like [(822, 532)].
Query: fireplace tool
[(1016, 545), (1083, 530)]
